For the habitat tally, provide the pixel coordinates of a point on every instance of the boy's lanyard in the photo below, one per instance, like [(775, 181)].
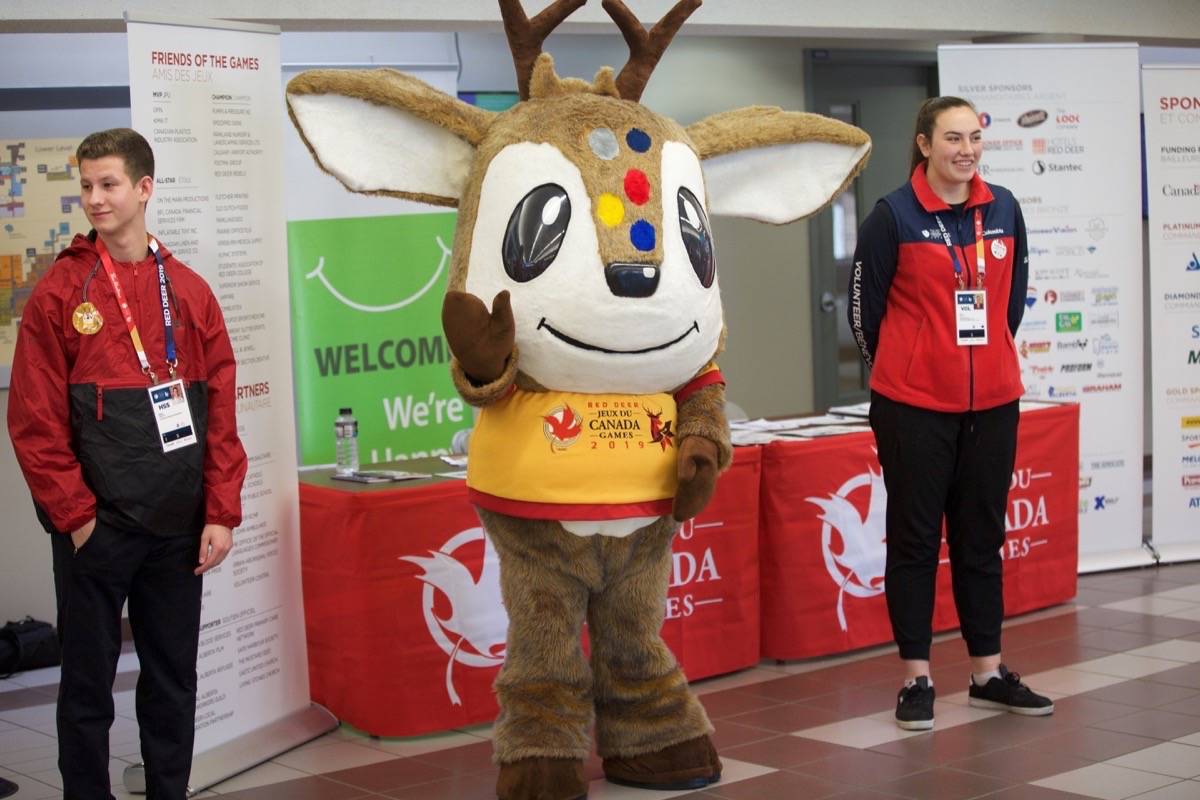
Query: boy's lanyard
[(127, 313), (980, 265)]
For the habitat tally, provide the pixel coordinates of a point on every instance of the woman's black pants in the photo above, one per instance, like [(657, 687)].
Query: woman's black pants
[(957, 466)]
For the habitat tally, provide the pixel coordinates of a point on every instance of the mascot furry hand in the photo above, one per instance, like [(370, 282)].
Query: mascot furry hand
[(584, 318)]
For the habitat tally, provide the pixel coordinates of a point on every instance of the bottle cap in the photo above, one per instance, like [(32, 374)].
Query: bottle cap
[(345, 410)]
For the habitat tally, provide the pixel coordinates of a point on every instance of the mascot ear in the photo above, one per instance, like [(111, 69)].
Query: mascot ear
[(776, 166), (383, 132)]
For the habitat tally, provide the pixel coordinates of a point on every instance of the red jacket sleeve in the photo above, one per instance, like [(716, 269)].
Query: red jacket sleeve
[(224, 456), (39, 417)]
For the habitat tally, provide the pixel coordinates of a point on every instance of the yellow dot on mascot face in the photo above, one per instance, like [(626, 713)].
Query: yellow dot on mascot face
[(610, 209)]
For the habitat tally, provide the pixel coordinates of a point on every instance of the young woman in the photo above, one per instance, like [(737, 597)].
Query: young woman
[(937, 292)]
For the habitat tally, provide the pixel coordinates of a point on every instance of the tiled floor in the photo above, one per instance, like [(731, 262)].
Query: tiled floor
[(1123, 665)]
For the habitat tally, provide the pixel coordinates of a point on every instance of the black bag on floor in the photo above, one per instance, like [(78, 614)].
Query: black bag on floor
[(28, 644)]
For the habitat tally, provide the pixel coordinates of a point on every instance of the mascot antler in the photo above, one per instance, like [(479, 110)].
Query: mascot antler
[(645, 49), (525, 35)]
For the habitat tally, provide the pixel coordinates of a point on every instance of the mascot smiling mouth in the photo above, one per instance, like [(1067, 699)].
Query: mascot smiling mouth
[(695, 327)]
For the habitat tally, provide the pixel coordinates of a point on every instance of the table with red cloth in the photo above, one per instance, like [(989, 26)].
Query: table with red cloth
[(402, 602), (822, 537)]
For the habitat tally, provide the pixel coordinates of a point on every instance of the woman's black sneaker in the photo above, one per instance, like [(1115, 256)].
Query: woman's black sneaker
[(914, 706), (1007, 693)]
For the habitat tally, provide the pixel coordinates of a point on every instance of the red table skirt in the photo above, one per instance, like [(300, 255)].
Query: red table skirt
[(401, 595), (823, 537)]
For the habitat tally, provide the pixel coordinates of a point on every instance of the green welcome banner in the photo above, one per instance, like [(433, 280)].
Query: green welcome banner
[(366, 333)]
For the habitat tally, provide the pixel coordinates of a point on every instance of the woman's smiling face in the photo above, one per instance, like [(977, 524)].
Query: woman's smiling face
[(954, 149)]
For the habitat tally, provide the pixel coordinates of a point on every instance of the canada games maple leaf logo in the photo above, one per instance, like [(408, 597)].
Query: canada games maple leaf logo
[(854, 545), (474, 632), (562, 427)]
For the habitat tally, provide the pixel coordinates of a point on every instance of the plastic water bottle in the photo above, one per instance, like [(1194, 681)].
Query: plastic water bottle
[(345, 428)]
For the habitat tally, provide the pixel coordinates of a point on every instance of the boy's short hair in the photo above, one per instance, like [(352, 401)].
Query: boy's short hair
[(126, 143)]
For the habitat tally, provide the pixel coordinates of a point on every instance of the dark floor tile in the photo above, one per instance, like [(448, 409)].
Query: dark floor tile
[(944, 784), (788, 717), (781, 784), (942, 747), (791, 688), (1098, 597), (383, 776), (1019, 764), (458, 760), (951, 651), (311, 788), (1190, 705), (855, 701), (1162, 627), (783, 751), (125, 681), (1092, 744), (729, 702), (1040, 631), (1142, 694), (731, 734), (472, 786), (1085, 709), (863, 794), (1115, 641), (25, 698), (857, 673), (859, 768), (1028, 792), (1154, 723), (1106, 617), (1050, 655), (1187, 676)]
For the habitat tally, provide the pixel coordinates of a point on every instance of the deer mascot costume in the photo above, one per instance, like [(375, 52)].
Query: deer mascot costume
[(582, 223)]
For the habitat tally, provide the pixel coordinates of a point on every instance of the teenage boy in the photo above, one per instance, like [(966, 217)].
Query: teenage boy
[(138, 489)]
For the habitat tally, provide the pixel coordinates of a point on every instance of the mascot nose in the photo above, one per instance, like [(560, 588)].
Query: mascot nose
[(632, 280)]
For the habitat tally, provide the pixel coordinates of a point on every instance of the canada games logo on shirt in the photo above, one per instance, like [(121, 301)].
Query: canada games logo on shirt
[(562, 427)]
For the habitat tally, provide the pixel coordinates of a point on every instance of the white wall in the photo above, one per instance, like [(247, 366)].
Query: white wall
[(876, 19)]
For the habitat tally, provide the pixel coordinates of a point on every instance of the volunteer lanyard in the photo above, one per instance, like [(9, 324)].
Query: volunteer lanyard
[(127, 313), (980, 265)]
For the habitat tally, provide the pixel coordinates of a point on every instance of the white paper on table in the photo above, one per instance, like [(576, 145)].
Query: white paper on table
[(862, 409), (826, 430)]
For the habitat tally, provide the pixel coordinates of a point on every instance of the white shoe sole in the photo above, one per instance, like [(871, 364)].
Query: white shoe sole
[(915, 724), (978, 702)]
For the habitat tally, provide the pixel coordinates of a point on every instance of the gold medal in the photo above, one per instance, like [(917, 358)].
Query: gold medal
[(87, 319)]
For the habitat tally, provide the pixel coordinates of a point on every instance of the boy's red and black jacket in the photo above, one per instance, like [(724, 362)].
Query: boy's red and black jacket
[(901, 302), (79, 415)]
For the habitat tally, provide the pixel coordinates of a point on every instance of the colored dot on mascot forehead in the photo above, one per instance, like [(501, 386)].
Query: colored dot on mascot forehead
[(584, 317)]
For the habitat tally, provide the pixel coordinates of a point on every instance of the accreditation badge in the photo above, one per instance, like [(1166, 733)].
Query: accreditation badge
[(970, 316), (172, 415), (87, 319)]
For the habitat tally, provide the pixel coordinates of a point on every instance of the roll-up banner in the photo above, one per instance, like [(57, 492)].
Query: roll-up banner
[(206, 95), (367, 279), (1060, 130), (1171, 107)]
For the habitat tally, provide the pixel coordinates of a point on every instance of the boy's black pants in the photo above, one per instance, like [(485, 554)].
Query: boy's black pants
[(155, 575), (956, 465)]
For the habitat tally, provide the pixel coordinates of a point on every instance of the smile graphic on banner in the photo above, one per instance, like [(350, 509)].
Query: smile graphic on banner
[(319, 273), (367, 334)]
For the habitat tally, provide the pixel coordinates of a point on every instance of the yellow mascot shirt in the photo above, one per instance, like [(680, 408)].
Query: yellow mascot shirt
[(573, 456)]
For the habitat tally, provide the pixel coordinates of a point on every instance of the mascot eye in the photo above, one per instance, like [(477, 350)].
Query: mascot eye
[(696, 238), (535, 232)]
